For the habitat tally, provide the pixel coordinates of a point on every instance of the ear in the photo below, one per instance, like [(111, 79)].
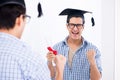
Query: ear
[(67, 25), (83, 26), (19, 20)]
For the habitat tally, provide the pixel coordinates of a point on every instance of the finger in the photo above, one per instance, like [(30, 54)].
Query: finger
[(50, 52)]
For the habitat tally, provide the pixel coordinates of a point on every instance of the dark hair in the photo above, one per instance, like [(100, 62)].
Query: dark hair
[(75, 15), (8, 15)]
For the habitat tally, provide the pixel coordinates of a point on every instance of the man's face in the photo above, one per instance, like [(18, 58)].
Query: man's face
[(75, 27)]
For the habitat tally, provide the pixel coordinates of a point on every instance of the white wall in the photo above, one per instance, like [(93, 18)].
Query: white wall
[(108, 37), (50, 28), (117, 39)]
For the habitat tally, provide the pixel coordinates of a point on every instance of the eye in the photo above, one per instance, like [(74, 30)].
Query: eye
[(79, 25)]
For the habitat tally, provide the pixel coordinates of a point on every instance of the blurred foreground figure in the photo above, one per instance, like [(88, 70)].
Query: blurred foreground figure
[(17, 60)]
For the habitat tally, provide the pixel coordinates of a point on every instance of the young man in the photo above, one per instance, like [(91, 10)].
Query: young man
[(17, 60), (83, 58)]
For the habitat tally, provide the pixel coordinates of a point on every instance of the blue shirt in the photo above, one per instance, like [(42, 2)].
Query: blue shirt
[(80, 69), (19, 62)]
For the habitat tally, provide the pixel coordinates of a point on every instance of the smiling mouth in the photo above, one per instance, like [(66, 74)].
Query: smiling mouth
[(75, 33)]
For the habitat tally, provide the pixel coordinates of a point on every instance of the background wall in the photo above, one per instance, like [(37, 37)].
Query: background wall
[(51, 28), (108, 38), (117, 40)]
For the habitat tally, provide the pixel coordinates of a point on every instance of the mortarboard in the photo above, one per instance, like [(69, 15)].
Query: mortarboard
[(18, 2), (72, 12)]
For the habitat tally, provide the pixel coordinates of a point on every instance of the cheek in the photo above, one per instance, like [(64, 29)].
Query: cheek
[(81, 29), (69, 30)]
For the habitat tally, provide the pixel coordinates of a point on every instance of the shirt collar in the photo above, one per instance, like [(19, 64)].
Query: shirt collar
[(8, 36), (83, 42)]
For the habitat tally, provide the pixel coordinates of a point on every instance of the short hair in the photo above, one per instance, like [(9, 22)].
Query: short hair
[(8, 15), (75, 15)]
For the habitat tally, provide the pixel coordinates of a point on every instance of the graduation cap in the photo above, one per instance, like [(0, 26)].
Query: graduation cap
[(39, 10), (17, 2), (75, 12)]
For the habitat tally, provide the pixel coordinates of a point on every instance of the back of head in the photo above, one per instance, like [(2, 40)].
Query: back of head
[(9, 11)]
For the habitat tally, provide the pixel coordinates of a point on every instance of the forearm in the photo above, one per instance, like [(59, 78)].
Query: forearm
[(59, 74), (94, 72), (52, 70), (57, 71), (56, 74)]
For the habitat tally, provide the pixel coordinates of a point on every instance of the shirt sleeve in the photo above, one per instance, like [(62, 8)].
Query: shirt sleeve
[(35, 68), (98, 60)]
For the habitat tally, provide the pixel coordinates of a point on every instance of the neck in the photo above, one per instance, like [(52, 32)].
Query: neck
[(74, 44), (74, 41), (10, 31)]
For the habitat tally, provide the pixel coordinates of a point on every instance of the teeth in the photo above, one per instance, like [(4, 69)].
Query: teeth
[(75, 32)]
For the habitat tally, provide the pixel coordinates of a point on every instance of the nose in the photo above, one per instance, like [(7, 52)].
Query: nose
[(75, 27)]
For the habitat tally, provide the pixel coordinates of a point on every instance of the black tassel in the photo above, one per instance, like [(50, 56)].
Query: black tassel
[(39, 10), (93, 22)]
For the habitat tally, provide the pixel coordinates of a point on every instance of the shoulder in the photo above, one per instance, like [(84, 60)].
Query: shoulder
[(59, 44), (90, 45)]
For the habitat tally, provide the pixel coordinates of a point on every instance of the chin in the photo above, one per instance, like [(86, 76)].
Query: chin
[(75, 38), (19, 36)]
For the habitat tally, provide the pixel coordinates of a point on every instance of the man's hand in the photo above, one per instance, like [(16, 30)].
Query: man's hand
[(60, 61), (91, 56), (50, 56)]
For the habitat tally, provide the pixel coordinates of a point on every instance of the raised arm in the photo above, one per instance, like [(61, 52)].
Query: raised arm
[(94, 72), (56, 72), (60, 62)]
